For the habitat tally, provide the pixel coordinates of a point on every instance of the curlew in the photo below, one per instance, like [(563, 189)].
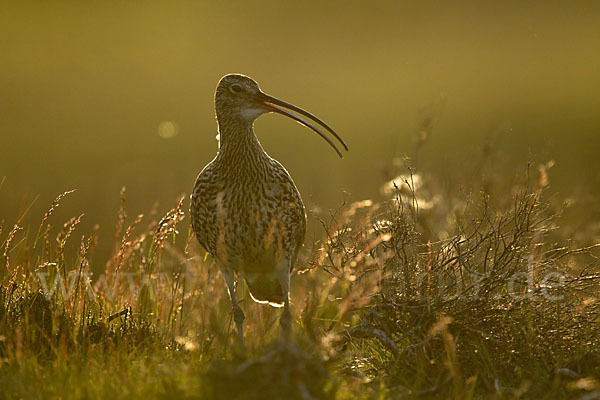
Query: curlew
[(246, 210)]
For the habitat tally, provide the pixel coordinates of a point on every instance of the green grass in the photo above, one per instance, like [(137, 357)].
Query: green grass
[(431, 294)]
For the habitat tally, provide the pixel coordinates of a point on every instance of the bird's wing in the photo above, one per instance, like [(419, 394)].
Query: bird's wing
[(202, 208), (293, 215)]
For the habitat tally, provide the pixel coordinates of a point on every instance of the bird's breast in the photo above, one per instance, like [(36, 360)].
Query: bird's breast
[(249, 225)]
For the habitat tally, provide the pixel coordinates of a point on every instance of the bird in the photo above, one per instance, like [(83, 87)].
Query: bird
[(246, 211)]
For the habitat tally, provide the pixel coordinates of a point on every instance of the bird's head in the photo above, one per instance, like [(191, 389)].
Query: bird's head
[(239, 97)]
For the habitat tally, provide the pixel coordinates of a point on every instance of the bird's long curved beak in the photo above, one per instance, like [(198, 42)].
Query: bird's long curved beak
[(273, 104)]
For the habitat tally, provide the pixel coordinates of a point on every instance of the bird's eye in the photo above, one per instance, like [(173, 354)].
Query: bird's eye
[(236, 88)]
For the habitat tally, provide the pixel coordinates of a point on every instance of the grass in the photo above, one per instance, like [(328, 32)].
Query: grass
[(433, 293)]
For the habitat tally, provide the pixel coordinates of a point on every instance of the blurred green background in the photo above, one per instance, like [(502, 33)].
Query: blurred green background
[(100, 95)]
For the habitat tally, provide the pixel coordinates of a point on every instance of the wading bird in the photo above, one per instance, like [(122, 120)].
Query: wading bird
[(246, 211)]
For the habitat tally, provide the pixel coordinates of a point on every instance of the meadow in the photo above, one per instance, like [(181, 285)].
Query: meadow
[(428, 294)]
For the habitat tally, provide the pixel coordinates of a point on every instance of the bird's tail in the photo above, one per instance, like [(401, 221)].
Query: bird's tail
[(265, 288)]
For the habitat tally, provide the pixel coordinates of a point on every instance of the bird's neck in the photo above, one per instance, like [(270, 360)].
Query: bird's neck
[(238, 144)]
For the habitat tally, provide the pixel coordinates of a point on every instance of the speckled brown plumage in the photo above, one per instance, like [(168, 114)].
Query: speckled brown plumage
[(246, 210)]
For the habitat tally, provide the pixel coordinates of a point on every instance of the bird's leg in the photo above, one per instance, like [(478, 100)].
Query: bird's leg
[(238, 314), (286, 317)]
